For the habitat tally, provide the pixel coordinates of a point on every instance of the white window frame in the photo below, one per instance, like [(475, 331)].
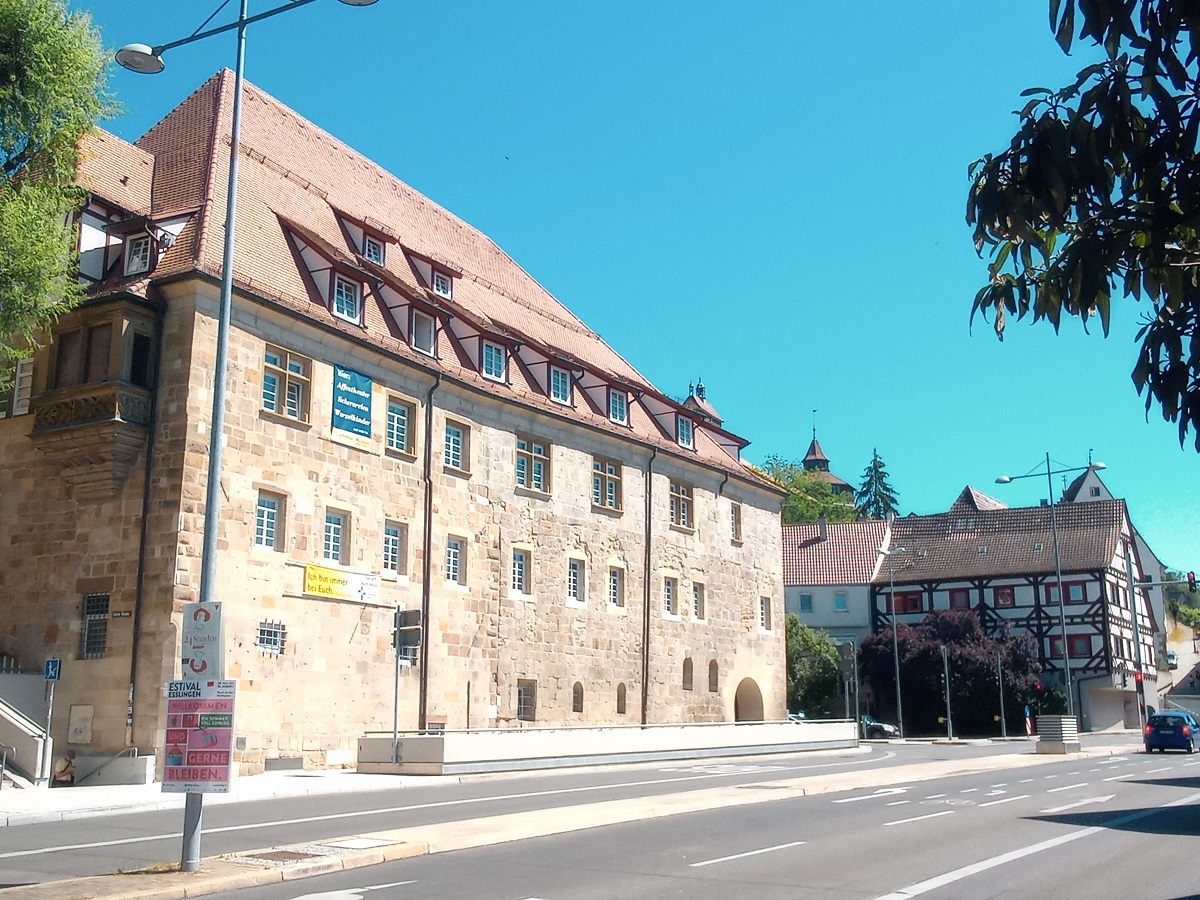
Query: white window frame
[(697, 601), (670, 596), (394, 541), (423, 325), (618, 406), (346, 306), (373, 249), (493, 361), (16, 401), (522, 563), (576, 581), (271, 637), (735, 522), (335, 538), (561, 386), (442, 284), (137, 254), (400, 417), (764, 613), (457, 447), (268, 521), (616, 586), (456, 559), (685, 432)]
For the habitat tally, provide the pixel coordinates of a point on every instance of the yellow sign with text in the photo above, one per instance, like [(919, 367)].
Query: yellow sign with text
[(336, 584)]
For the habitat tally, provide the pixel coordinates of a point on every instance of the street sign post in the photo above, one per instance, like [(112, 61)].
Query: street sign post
[(202, 651), (51, 671)]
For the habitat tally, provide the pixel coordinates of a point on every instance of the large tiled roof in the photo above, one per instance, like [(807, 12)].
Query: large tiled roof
[(116, 171), (971, 499), (296, 182), (985, 543), (848, 555)]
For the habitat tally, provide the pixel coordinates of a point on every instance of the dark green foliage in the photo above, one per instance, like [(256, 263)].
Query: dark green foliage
[(812, 669), (875, 498), (809, 498), (1098, 194), (974, 696)]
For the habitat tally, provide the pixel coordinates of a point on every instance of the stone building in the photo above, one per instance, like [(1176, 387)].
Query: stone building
[(412, 422)]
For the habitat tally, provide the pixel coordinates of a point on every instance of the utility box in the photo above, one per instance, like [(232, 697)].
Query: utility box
[(1058, 734)]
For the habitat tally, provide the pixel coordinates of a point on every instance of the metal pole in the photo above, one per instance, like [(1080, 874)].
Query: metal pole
[(895, 645), (194, 805), (1000, 681), (396, 692), (946, 678), (857, 697), (1138, 685), (48, 744), (1062, 599)]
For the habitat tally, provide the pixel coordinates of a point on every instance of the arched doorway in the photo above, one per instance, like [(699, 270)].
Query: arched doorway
[(747, 702)]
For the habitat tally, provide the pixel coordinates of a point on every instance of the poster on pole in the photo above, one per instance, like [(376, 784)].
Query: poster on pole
[(199, 746), (202, 650)]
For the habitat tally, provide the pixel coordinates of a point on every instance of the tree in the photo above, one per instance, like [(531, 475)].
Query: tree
[(812, 669), (875, 499), (1099, 191), (809, 498), (52, 91), (974, 695)]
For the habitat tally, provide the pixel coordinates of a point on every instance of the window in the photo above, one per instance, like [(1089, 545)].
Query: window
[(267, 530), (443, 285), (1094, 491), (764, 613), (394, 538), (697, 601), (713, 676), (618, 406), (806, 605), (520, 571), (82, 356), (137, 254), (373, 249), (684, 432), (285, 383), (334, 545), (681, 505), (606, 483), (906, 602), (456, 568), (670, 592), (526, 699), (347, 297), (1076, 592), (576, 583), (1002, 596), (687, 674), (1052, 594), (577, 698), (21, 390), (494, 364), (560, 385), (735, 522), (621, 699), (960, 598), (271, 637), (400, 416), (424, 333), (616, 587), (93, 634), (1079, 645), (457, 446), (533, 464), (139, 360), (840, 602)]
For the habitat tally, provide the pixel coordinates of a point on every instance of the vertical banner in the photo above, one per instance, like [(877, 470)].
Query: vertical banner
[(202, 650), (351, 408), (199, 739)]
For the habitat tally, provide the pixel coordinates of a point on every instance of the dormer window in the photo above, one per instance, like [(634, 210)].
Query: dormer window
[(494, 362), (443, 286), (373, 250), (137, 254), (618, 406), (347, 299), (560, 385), (685, 432), (424, 334)]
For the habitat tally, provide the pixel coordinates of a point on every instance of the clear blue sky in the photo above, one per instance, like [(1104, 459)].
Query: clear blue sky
[(769, 196)]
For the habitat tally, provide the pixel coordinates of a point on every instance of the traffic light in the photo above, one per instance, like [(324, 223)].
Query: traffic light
[(1037, 687), (408, 629), (846, 661), (1192, 582), (1137, 677)]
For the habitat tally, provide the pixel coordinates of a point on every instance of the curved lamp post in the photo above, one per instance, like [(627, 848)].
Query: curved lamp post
[(1062, 600), (148, 60), (895, 641)]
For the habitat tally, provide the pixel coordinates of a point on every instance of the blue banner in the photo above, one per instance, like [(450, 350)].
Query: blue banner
[(351, 402)]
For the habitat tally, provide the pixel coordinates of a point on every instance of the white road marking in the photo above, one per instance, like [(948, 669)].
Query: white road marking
[(1005, 800), (709, 862), (1185, 764), (994, 793), (1069, 774), (1001, 784), (882, 792), (1023, 780), (1066, 787), (967, 790), (1123, 775), (931, 796), (355, 893), (1090, 770), (1058, 809), (899, 802), (1047, 777), (1148, 771), (922, 887), (945, 812)]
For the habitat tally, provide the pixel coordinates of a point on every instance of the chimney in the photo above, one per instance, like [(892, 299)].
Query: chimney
[(823, 528)]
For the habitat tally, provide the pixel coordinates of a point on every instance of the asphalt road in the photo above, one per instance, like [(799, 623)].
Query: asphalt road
[(1115, 827), (43, 852)]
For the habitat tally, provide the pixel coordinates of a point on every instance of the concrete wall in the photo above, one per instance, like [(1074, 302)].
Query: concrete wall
[(854, 622)]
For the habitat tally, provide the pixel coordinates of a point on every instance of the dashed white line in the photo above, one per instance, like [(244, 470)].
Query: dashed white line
[(1163, 769), (968, 791), (1004, 800), (934, 796), (1123, 775), (1001, 784), (709, 862), (899, 802), (1048, 777), (1066, 787), (1023, 780), (948, 812)]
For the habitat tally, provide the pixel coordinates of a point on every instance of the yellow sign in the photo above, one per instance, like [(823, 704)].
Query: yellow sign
[(337, 584)]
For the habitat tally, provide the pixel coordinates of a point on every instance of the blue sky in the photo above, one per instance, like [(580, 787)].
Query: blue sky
[(767, 196)]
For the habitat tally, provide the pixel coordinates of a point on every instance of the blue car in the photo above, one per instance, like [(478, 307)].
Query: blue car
[(1176, 730)]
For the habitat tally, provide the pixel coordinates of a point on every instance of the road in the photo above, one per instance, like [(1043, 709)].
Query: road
[(1113, 827)]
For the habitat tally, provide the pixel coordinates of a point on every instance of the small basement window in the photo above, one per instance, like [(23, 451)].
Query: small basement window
[(272, 636)]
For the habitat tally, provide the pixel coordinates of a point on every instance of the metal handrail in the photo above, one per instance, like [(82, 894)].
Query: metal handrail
[(108, 762), (4, 748)]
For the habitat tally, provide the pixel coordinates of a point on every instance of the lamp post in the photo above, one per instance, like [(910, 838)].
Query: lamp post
[(147, 60), (895, 641), (1062, 600)]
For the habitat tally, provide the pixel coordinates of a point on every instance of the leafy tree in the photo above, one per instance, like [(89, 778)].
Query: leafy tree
[(974, 696), (809, 498), (1099, 191), (875, 499), (52, 91), (812, 669)]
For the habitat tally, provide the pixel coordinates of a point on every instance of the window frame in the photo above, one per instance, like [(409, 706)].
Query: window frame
[(455, 559), (521, 572), (532, 465), (670, 591), (1074, 641), (1004, 596), (698, 601), (804, 603), (271, 637), (576, 581), (338, 299), (489, 353), (93, 631), (371, 242), (462, 447), (395, 533), (841, 602), (405, 447), (764, 614), (438, 277), (287, 378), (276, 522), (556, 374), (683, 505), (685, 432), (606, 484), (960, 598), (735, 522), (618, 406), (910, 602), (526, 700), (335, 537), (142, 262), (616, 587)]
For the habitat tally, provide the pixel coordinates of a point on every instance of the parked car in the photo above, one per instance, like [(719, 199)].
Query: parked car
[(1174, 729), (1172, 660), (797, 716), (874, 729)]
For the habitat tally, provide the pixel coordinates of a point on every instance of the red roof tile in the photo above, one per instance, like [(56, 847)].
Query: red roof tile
[(848, 555)]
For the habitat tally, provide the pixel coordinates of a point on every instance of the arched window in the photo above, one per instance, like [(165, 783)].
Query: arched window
[(577, 698), (621, 699), (687, 674), (712, 676)]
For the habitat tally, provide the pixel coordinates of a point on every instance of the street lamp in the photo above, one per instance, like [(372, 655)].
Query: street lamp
[(895, 641), (147, 60), (1062, 600)]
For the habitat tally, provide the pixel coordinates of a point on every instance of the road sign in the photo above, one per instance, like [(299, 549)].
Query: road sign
[(199, 740), (203, 647), (53, 669)]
